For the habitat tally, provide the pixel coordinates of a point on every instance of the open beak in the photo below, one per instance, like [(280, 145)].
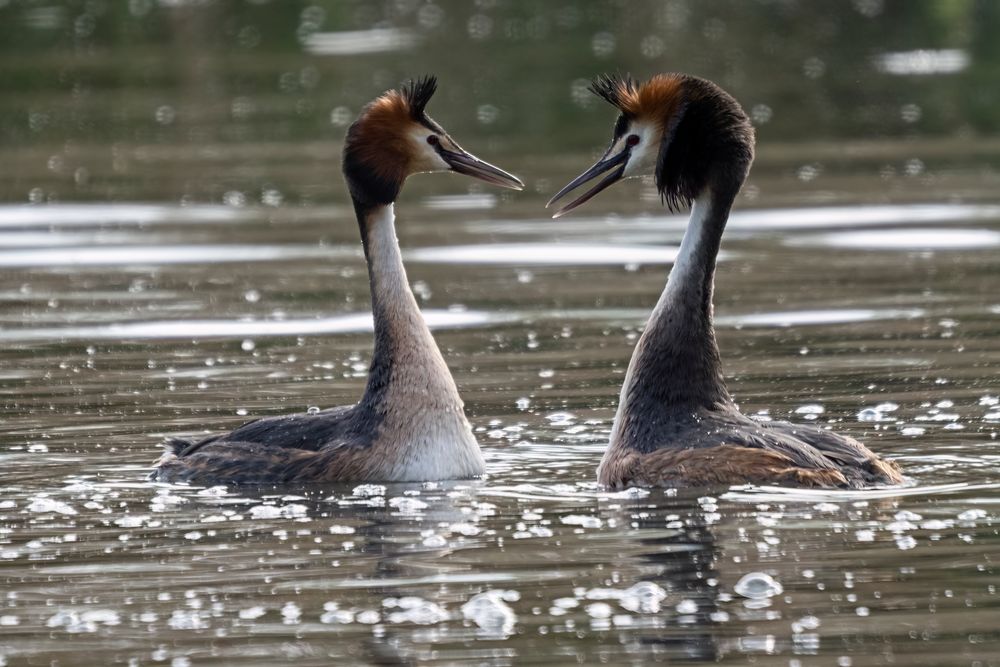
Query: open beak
[(465, 163), (615, 164)]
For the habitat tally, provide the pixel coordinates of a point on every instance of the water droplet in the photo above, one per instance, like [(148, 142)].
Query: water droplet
[(758, 585)]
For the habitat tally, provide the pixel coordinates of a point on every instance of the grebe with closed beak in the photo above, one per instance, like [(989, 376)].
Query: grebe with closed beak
[(409, 424), (676, 423)]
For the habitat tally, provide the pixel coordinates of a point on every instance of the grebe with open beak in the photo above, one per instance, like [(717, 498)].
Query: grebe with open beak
[(676, 423)]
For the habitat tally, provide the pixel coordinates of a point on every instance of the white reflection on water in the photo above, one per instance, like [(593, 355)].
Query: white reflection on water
[(176, 254), (466, 202), (763, 219), (818, 317), (353, 42), (200, 329), (436, 319), (786, 494), (904, 239), (561, 254), (133, 214), (922, 62)]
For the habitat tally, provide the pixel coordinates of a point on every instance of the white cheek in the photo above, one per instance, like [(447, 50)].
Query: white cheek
[(642, 161), (425, 156)]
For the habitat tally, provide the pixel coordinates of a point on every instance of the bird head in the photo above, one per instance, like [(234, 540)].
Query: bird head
[(394, 137), (686, 132)]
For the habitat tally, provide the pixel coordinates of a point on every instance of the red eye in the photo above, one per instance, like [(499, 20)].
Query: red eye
[(433, 140), (632, 140)]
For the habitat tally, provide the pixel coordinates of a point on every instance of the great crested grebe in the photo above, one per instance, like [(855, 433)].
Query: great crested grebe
[(676, 423), (409, 424)]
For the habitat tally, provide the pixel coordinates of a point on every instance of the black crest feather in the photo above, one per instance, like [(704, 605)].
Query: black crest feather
[(418, 93), (610, 87)]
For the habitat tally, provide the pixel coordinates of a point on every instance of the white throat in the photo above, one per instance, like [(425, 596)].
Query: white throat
[(686, 264), (423, 432)]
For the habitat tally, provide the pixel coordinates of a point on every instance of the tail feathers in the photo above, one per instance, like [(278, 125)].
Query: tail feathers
[(176, 445), (172, 449)]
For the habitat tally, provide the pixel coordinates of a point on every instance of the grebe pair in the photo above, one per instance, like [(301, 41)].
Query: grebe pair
[(676, 423)]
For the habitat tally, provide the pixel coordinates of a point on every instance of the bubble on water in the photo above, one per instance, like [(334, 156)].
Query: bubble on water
[(490, 611), (407, 505), (416, 610), (972, 515), (186, 619), (870, 415), (435, 541), (687, 607), (313, 410), (291, 613), (561, 605), (251, 296), (805, 623), (290, 511), (523, 403), (368, 490), (46, 505), (907, 515), (133, 521), (900, 526), (810, 409), (581, 520), (368, 617), (599, 610), (913, 430), (989, 400), (251, 613), (905, 542), (332, 613), (80, 622), (643, 597), (248, 345), (561, 418), (757, 585)]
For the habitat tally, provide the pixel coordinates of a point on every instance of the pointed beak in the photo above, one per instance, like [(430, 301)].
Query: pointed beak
[(465, 163), (615, 164)]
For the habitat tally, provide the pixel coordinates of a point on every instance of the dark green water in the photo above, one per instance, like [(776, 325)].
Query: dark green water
[(177, 254)]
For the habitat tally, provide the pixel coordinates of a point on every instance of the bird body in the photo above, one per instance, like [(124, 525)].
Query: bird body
[(410, 423), (676, 422)]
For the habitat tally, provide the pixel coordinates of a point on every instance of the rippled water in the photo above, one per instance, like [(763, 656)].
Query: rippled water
[(122, 324)]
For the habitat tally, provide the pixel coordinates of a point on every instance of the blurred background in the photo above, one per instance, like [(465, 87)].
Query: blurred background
[(246, 101)]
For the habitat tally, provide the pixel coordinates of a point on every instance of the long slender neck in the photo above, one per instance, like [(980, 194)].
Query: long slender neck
[(407, 370), (676, 366)]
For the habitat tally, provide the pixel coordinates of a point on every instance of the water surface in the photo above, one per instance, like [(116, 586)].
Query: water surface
[(178, 255)]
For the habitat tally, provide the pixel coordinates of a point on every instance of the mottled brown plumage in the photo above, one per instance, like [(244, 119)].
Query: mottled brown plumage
[(676, 423)]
